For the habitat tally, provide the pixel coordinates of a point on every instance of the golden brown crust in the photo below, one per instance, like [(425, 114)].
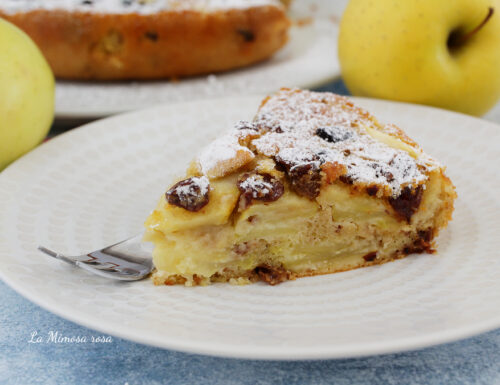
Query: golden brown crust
[(167, 44)]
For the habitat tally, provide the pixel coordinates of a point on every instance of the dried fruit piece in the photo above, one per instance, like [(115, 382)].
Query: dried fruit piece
[(261, 187), (151, 35), (273, 275), (370, 256), (306, 179), (406, 204), (334, 134), (247, 34), (304, 174), (372, 190), (191, 194)]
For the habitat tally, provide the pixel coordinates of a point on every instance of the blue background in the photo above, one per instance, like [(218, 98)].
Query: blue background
[(472, 361)]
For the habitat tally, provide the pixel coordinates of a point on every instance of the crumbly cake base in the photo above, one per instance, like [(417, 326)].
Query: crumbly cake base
[(270, 274), (275, 274)]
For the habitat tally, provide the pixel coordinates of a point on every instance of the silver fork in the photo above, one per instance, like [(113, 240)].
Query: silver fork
[(129, 260)]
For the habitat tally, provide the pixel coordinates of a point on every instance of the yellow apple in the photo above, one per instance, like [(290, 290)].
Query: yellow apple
[(440, 53), (26, 94)]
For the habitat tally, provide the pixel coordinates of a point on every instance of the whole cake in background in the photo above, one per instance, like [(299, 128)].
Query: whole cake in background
[(312, 185), (149, 39)]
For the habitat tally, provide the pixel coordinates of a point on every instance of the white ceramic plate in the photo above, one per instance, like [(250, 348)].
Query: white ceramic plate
[(494, 114), (330, 9), (95, 185), (308, 60)]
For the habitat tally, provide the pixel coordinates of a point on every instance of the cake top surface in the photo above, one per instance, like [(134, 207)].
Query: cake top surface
[(308, 129), (130, 6)]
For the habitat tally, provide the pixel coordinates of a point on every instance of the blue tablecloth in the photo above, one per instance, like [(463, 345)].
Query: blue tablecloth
[(472, 361), (25, 361)]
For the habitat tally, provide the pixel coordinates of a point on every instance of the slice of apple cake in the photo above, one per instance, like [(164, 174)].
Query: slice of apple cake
[(312, 185)]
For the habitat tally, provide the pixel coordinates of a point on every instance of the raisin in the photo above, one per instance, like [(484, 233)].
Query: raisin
[(419, 246), (407, 203), (370, 256), (272, 275), (422, 244), (346, 179), (372, 190), (333, 134), (191, 194), (261, 187), (153, 36), (426, 235), (304, 174), (247, 35), (306, 179)]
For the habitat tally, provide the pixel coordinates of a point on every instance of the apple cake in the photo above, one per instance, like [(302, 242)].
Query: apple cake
[(312, 185), (149, 39)]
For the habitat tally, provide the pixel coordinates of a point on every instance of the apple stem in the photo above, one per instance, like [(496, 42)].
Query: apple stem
[(457, 40)]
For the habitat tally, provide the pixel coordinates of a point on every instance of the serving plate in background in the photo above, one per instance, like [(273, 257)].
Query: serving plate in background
[(308, 60)]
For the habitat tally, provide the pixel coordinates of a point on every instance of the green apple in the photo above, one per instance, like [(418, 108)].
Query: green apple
[(440, 53), (26, 94)]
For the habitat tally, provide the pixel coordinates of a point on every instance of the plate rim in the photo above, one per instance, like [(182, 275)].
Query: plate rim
[(341, 351), (100, 114), (328, 351)]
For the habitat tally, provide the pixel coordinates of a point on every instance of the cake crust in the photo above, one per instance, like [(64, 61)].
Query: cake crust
[(165, 44)]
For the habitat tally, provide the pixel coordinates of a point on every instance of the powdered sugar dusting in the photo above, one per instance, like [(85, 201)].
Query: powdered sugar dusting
[(129, 6), (303, 128), (256, 185), (219, 151), (189, 189), (306, 127)]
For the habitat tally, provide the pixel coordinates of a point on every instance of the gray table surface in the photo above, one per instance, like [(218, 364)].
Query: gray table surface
[(24, 361)]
